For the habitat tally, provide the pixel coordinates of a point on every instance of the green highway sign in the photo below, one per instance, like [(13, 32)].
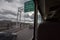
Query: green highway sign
[(28, 6)]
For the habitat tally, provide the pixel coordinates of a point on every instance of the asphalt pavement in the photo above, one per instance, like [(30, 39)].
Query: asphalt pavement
[(25, 34)]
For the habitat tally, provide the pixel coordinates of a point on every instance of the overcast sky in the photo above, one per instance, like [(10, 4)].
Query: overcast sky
[(11, 5), (9, 9)]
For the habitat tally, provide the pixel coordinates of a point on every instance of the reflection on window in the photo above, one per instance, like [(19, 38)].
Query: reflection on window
[(39, 18)]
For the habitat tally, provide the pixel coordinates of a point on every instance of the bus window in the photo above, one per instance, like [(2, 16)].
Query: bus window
[(17, 17)]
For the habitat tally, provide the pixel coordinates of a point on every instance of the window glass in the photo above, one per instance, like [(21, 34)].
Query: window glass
[(17, 16)]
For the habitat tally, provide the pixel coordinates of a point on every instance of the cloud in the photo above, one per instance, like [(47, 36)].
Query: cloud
[(13, 6), (32, 16), (3, 17), (26, 16), (9, 0), (9, 9), (8, 16), (5, 12), (23, 1)]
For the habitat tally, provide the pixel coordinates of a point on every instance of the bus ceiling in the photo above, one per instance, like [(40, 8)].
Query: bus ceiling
[(44, 6)]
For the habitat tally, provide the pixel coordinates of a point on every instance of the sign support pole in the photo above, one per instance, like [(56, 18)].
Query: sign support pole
[(35, 20)]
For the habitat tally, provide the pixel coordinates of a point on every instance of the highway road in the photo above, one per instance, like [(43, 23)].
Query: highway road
[(25, 34)]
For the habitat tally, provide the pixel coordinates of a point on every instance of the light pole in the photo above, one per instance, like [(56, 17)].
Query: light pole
[(20, 9), (17, 19)]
